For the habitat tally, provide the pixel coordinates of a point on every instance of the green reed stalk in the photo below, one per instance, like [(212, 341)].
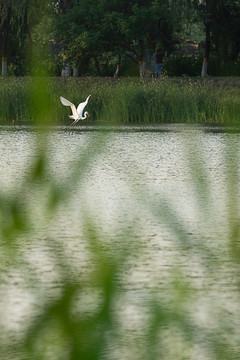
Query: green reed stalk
[(126, 101)]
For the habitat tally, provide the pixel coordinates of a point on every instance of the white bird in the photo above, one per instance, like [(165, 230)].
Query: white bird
[(76, 113)]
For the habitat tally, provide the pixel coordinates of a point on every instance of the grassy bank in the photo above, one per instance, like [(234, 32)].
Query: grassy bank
[(166, 100)]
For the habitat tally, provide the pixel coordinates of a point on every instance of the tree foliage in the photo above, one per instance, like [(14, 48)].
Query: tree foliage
[(102, 31), (222, 26), (91, 28), (17, 20)]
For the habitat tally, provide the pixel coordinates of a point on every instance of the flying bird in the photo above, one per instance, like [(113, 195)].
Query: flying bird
[(77, 114)]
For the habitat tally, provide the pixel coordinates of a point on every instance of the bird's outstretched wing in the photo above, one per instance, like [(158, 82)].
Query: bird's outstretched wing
[(65, 102), (81, 107)]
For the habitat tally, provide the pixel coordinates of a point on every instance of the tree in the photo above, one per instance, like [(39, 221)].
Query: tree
[(225, 32), (5, 26), (221, 20), (205, 10), (90, 29), (16, 22)]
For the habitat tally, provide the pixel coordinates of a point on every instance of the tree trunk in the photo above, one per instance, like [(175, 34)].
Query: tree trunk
[(5, 29), (207, 50), (4, 39), (141, 66), (68, 69), (97, 65), (75, 72), (4, 66), (218, 52), (83, 66), (117, 71)]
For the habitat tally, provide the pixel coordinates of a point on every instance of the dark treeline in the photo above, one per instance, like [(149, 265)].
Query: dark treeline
[(94, 36)]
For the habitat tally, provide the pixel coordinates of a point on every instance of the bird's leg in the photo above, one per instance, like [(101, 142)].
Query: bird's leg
[(74, 122)]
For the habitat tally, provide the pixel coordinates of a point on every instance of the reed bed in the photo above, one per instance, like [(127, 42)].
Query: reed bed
[(163, 100)]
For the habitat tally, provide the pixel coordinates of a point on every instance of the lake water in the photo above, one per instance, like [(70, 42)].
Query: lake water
[(162, 191)]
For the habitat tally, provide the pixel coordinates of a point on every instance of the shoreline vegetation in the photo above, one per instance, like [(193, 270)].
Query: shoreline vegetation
[(187, 100)]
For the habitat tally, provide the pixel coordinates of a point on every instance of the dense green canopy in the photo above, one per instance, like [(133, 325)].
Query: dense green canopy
[(113, 31), (17, 21), (92, 29), (222, 28)]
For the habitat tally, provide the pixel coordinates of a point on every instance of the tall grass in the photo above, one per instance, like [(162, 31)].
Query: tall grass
[(126, 101)]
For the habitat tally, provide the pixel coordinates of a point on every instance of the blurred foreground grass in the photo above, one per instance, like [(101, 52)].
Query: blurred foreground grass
[(87, 315), (166, 100)]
